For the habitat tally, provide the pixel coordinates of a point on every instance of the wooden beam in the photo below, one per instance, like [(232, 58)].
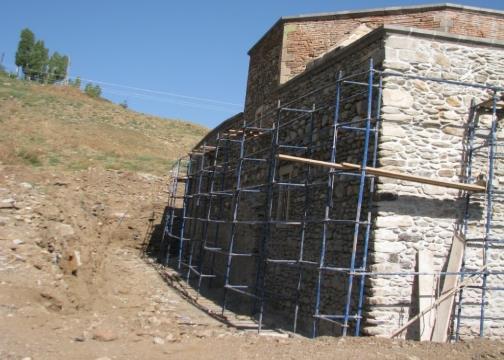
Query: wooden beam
[(387, 174), (488, 104), (426, 292), (444, 311), (442, 298)]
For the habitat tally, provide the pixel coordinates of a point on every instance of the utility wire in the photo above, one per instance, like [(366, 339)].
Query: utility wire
[(167, 100), (164, 93), (206, 103)]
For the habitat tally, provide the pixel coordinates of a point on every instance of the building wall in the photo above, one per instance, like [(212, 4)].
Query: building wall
[(284, 241), (423, 133), (264, 71), (306, 40), (292, 44)]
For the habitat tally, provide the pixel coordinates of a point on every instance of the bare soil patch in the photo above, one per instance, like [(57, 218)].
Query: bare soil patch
[(115, 304)]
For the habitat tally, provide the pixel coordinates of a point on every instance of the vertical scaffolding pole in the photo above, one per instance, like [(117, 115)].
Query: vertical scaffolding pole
[(329, 192), (307, 179), (471, 129), (195, 219), (360, 198), (170, 215), (370, 205), (234, 223), (221, 195), (204, 231), (266, 233), (187, 191), (492, 138)]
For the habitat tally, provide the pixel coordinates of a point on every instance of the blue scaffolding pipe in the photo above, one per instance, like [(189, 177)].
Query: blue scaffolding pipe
[(489, 206), (360, 197), (266, 229), (465, 220), (329, 194), (202, 207), (187, 190), (370, 206)]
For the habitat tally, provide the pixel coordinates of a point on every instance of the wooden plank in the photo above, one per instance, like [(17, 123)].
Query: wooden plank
[(440, 300), (426, 292), (444, 310), (488, 104), (387, 173)]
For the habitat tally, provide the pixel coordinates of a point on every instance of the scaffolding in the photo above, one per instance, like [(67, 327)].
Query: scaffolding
[(224, 226)]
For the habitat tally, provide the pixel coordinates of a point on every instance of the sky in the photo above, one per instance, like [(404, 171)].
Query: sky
[(176, 59)]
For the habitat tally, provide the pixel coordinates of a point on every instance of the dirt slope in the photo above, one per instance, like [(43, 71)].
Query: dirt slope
[(116, 305), (59, 126), (74, 279)]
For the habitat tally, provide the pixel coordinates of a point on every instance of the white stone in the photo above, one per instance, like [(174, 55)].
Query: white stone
[(385, 234), (400, 42), (397, 117), (391, 247), (26, 185), (396, 65), (450, 115), (397, 98), (7, 203), (433, 190), (384, 267), (394, 221)]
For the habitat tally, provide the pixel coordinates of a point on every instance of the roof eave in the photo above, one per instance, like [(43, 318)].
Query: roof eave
[(377, 11)]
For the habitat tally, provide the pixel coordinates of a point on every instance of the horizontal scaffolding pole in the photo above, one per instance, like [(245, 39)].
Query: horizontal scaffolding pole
[(387, 173)]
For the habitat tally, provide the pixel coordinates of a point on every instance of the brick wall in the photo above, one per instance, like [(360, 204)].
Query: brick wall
[(306, 40), (291, 45)]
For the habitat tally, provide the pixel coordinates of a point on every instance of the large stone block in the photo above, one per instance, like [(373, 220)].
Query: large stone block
[(389, 247), (401, 42), (398, 98), (394, 221)]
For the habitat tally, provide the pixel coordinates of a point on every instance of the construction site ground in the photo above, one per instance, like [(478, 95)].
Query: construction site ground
[(118, 303)]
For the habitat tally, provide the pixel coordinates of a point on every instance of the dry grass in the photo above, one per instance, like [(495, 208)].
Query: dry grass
[(61, 127)]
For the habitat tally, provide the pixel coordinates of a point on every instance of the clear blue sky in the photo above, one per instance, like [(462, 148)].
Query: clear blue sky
[(196, 49)]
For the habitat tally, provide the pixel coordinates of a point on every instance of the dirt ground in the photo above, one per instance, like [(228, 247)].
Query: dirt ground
[(115, 304)]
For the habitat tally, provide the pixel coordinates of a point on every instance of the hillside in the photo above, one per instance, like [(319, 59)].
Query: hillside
[(76, 281), (61, 127)]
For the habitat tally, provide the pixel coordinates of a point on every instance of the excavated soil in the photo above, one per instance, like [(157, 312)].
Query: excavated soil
[(75, 282)]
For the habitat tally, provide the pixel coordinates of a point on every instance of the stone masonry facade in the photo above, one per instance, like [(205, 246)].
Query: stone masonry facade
[(424, 124)]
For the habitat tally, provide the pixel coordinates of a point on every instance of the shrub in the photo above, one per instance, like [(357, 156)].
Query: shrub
[(93, 90), (75, 83)]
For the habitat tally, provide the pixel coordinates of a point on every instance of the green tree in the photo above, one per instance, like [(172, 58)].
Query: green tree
[(36, 68), (57, 68), (25, 48), (75, 83), (93, 90)]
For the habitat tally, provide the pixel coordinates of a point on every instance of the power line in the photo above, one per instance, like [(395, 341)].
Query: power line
[(164, 93), (207, 102), (167, 100)]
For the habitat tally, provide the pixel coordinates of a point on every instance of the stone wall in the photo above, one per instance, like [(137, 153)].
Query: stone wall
[(315, 89), (424, 123), (422, 133)]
